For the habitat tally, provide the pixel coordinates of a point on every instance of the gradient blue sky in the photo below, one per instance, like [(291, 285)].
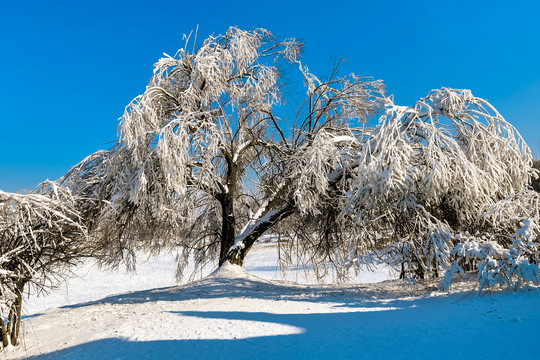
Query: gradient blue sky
[(68, 68)]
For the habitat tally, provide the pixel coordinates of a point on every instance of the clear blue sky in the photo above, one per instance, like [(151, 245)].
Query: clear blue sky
[(68, 68)]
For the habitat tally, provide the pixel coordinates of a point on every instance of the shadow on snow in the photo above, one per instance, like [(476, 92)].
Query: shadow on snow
[(212, 288), (376, 326), (428, 331)]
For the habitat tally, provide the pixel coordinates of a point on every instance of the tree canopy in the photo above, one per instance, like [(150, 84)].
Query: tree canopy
[(207, 163), (203, 156)]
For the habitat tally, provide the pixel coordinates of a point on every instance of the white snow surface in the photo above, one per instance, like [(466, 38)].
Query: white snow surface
[(236, 313)]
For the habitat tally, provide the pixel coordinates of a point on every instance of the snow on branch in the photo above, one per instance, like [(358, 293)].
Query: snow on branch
[(41, 235), (183, 120), (428, 173)]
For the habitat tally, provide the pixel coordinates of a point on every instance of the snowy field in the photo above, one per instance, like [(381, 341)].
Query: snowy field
[(234, 314)]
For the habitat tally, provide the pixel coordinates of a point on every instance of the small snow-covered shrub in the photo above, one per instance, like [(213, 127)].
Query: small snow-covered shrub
[(497, 265), (41, 234)]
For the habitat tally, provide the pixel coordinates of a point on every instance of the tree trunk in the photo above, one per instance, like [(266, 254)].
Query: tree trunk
[(4, 334), (237, 257), (17, 319), (227, 228), (279, 208), (237, 254), (9, 333)]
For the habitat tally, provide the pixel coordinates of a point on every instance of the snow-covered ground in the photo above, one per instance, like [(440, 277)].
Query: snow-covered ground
[(234, 314)]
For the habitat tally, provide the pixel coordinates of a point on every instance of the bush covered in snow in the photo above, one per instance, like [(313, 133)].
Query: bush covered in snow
[(41, 234)]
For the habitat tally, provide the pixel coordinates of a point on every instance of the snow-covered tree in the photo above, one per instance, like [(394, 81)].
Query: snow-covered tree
[(208, 161), (204, 161), (41, 234)]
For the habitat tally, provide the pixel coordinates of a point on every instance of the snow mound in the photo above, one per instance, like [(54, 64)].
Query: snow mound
[(231, 271)]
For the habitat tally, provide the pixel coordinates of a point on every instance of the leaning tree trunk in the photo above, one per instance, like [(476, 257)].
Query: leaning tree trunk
[(243, 243), (280, 207)]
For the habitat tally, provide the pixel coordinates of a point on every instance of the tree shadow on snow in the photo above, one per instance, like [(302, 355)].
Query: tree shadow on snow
[(376, 324), (212, 288), (427, 332)]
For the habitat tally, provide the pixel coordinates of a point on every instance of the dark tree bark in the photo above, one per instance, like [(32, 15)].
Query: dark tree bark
[(9, 332), (535, 183), (228, 227), (237, 255)]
